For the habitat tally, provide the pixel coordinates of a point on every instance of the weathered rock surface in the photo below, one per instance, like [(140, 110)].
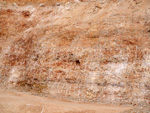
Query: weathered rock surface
[(95, 51)]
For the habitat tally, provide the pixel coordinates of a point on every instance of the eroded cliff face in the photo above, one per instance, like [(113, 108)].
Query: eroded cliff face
[(95, 51)]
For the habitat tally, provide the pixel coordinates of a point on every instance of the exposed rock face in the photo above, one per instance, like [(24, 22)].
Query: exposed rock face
[(89, 51)]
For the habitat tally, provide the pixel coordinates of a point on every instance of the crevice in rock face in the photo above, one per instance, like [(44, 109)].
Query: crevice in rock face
[(77, 62)]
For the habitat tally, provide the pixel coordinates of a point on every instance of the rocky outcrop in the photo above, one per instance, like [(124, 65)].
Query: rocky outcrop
[(88, 51)]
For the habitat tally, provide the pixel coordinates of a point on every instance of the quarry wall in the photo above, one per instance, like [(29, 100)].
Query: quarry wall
[(90, 52)]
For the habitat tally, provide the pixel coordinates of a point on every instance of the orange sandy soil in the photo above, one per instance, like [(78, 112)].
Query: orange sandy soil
[(22, 102)]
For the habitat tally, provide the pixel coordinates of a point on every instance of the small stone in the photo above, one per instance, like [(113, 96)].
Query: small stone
[(42, 5), (98, 6), (58, 4), (15, 4)]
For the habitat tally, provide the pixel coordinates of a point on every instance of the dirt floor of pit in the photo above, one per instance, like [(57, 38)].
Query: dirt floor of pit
[(22, 102)]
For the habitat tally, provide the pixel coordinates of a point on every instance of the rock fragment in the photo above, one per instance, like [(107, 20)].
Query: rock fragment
[(14, 4), (42, 5), (58, 4)]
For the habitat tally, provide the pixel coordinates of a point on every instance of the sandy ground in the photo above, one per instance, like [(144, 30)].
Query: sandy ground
[(20, 102)]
